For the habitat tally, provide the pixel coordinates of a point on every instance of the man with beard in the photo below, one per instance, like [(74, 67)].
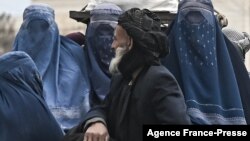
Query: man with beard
[(142, 90)]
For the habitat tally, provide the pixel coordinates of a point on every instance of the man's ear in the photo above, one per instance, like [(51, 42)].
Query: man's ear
[(130, 43)]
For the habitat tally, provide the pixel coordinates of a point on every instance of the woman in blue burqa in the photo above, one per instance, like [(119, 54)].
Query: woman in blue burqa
[(208, 68), (24, 115), (99, 37), (60, 61)]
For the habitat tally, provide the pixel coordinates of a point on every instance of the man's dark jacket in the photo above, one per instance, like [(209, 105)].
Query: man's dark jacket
[(154, 98)]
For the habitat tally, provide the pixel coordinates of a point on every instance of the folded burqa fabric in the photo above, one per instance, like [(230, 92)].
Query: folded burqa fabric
[(206, 67), (60, 61), (24, 115)]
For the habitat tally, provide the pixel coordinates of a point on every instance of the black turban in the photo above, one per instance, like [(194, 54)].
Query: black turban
[(144, 27)]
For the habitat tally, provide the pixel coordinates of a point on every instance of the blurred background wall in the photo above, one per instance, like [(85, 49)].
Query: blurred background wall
[(238, 15), (237, 12)]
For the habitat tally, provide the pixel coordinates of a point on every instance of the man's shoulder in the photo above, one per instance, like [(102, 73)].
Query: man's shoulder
[(158, 73), (158, 70)]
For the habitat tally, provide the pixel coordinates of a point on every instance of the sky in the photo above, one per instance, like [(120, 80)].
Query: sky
[(14, 7)]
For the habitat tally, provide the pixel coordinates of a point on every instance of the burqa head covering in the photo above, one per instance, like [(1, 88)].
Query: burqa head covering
[(24, 115), (99, 37), (201, 62), (60, 61), (149, 43)]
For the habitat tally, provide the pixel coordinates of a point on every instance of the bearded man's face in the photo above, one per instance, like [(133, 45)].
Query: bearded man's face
[(119, 52), (122, 43)]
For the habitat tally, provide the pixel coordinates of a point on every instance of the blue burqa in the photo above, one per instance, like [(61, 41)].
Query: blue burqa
[(61, 63), (99, 37), (201, 62), (24, 115)]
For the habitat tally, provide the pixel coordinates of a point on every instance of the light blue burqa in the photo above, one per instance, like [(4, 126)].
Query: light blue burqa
[(60, 61)]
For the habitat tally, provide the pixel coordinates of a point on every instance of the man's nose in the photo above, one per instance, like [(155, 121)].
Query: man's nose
[(113, 45)]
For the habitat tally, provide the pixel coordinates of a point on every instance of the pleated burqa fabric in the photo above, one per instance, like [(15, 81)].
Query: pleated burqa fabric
[(60, 61), (24, 115)]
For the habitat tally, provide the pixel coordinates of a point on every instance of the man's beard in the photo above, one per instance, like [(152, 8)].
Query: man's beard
[(119, 53)]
